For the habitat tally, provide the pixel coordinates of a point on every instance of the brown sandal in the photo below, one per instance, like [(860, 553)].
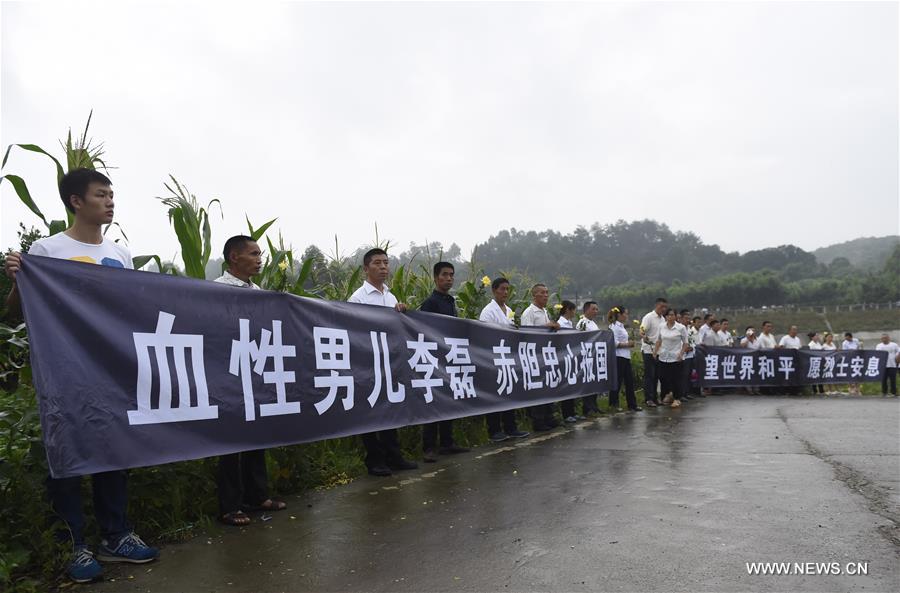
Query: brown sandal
[(235, 519)]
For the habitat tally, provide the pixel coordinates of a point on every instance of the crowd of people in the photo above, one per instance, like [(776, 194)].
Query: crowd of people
[(667, 339)]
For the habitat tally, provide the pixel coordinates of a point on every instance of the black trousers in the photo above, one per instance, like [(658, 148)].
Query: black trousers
[(626, 380), (430, 435), (650, 374), (567, 406), (687, 365), (890, 375), (243, 480), (670, 377), (382, 448), (505, 419), (818, 389)]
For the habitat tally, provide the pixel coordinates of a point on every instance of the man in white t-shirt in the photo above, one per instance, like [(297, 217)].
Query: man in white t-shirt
[(88, 195), (890, 372), (383, 452), (650, 325), (791, 340), (723, 336), (766, 339)]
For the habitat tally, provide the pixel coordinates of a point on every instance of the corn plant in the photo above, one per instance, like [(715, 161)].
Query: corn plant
[(80, 153), (191, 223)]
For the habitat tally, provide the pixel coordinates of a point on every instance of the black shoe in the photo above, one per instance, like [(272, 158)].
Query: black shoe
[(636, 409), (499, 437), (380, 470), (518, 434), (453, 450), (430, 456), (402, 464)]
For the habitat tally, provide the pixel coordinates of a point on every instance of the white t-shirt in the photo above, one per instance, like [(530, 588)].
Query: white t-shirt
[(826, 346), (751, 344), (707, 336), (563, 322), (790, 343), (892, 349), (765, 341), (723, 338), (62, 246), (672, 341), (534, 316), (815, 346), (850, 344), (493, 314)]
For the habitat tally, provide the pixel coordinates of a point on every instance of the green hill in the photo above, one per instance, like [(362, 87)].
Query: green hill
[(867, 253)]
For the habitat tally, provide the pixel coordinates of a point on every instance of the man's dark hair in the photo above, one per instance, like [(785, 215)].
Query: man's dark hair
[(233, 244), (696, 317), (367, 258), (811, 335), (723, 320), (848, 335), (668, 310), (567, 306), (497, 282), (685, 312), (76, 182), (713, 322), (707, 317), (767, 323), (661, 300), (587, 305), (441, 265)]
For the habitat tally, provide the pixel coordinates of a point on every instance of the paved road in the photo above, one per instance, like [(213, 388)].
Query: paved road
[(667, 500)]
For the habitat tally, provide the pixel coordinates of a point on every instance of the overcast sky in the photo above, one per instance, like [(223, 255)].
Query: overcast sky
[(750, 124)]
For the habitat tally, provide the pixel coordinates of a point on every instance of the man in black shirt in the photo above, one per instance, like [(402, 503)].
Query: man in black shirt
[(443, 303)]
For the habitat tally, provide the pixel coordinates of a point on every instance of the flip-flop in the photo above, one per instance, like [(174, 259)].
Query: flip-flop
[(235, 519), (272, 506)]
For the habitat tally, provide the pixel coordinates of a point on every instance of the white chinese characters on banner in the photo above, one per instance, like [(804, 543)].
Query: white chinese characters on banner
[(531, 370), (460, 368), (423, 361), (244, 351), (381, 361), (333, 354), (161, 341), (506, 369)]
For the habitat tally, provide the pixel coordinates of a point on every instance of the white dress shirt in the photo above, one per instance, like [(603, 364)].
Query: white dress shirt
[(585, 324), (566, 323), (534, 315), (707, 336), (651, 324), (826, 346), (369, 295), (227, 278), (723, 338), (850, 344), (493, 314), (621, 336), (815, 346)]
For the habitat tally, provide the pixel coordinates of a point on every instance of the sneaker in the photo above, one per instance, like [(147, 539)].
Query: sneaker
[(130, 548), (650, 403), (580, 417), (571, 419), (83, 568), (499, 437), (518, 434)]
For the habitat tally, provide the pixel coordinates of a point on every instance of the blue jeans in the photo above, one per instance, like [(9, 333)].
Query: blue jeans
[(110, 490)]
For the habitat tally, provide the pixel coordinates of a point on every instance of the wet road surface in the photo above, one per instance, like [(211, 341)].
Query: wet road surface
[(665, 500)]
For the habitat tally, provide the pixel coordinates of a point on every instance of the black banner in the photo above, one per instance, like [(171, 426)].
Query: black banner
[(739, 367), (137, 368)]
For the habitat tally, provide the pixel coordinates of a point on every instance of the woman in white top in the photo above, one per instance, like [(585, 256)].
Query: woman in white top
[(815, 343), (618, 318), (828, 342), (669, 353), (566, 315)]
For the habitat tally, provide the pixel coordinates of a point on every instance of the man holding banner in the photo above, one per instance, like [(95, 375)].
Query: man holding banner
[(383, 447), (88, 195)]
